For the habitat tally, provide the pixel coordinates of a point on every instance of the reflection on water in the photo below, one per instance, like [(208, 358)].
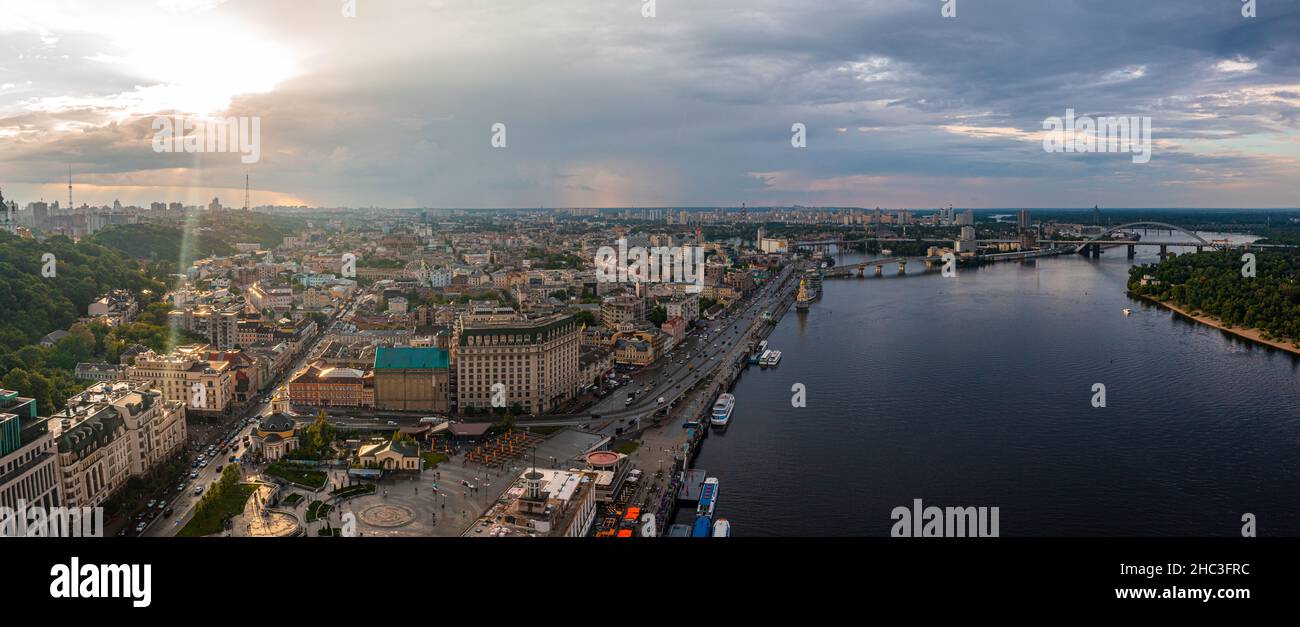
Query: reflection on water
[(975, 391)]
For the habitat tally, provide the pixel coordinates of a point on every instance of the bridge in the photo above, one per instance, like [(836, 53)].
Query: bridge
[(860, 268), (1092, 246)]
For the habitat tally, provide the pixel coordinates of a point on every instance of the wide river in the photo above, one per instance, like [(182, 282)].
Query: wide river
[(976, 391)]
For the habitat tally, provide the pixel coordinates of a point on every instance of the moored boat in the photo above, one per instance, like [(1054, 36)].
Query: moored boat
[(722, 408), (708, 498)]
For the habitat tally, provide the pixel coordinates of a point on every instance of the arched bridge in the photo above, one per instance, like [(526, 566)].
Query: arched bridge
[(1163, 225), (1092, 246)]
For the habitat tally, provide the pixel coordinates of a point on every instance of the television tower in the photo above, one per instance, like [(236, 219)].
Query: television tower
[(245, 191), (69, 187)]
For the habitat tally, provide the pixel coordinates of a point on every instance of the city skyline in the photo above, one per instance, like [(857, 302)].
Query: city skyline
[(694, 107)]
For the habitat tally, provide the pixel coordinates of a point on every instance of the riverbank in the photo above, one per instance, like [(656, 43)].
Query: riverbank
[(1254, 335)]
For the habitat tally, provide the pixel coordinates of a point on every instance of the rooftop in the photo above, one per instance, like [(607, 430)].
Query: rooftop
[(410, 357)]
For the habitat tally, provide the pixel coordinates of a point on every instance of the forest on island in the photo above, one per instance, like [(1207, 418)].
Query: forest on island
[(1213, 283)]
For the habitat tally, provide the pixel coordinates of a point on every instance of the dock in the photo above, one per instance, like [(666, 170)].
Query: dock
[(691, 485)]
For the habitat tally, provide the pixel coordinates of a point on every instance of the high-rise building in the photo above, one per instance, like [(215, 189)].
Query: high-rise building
[(534, 361), (1022, 219)]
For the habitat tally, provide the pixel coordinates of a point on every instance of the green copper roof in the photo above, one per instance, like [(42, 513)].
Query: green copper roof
[(394, 358)]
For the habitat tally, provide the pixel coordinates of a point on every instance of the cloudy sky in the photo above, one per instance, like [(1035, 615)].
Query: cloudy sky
[(693, 107)]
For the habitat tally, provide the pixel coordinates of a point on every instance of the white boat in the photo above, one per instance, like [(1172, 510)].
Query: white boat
[(762, 359), (722, 408), (770, 359), (708, 498), (722, 528), (1127, 311)]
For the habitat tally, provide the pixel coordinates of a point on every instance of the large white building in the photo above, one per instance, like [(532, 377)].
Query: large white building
[(110, 433), (185, 375)]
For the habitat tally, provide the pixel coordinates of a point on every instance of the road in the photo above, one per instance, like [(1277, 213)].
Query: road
[(694, 360), (184, 501)]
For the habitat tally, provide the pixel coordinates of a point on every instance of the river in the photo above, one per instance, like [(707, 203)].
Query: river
[(976, 391)]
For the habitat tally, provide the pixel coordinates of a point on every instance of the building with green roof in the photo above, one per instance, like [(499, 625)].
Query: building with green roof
[(412, 378)]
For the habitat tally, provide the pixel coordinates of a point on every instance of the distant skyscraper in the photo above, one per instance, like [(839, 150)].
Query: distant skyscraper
[(1022, 219), (1096, 215)]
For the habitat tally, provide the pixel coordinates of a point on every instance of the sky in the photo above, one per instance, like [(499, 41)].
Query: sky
[(606, 107)]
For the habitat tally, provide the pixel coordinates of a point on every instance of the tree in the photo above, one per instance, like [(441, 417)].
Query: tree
[(658, 315)]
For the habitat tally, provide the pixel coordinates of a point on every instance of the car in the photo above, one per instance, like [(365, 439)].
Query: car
[(194, 475), (168, 512), (140, 527), (660, 401), (219, 467), (198, 489), (152, 503), (194, 464), (231, 459), (180, 487), (392, 423), (203, 464)]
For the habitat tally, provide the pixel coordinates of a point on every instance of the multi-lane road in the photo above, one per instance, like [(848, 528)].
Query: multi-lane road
[(694, 360)]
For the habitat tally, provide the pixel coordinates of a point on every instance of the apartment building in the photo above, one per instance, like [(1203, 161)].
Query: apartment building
[(205, 387)]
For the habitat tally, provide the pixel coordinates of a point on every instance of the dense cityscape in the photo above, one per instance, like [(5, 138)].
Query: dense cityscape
[(828, 275), (306, 371)]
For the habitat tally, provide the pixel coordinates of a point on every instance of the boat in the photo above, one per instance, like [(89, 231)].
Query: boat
[(770, 359), (721, 413), (708, 498), (762, 346), (702, 528), (722, 528), (762, 359), (1127, 311), (802, 300)]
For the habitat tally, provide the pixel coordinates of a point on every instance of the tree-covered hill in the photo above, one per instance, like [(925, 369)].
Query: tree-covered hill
[(155, 241), (32, 305)]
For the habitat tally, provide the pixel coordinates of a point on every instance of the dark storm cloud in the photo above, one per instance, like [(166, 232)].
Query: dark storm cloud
[(694, 107)]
